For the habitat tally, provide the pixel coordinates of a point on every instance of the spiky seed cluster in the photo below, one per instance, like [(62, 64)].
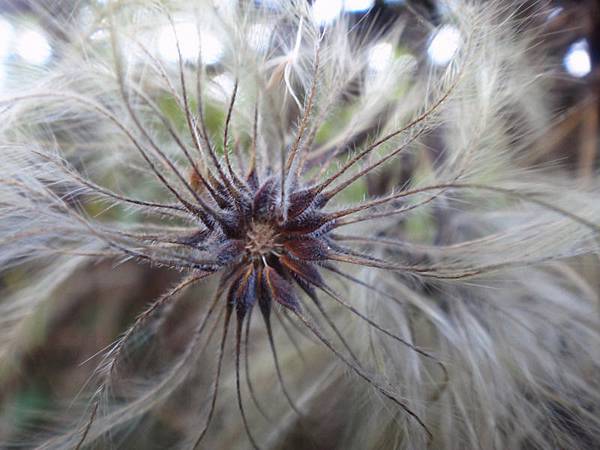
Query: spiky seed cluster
[(264, 250), (267, 252)]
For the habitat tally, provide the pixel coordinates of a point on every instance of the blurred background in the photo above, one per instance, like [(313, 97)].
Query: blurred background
[(32, 34), (96, 306)]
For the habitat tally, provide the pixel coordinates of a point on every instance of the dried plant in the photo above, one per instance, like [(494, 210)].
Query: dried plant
[(475, 331)]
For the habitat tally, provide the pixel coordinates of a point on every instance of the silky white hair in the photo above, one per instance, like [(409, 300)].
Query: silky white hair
[(480, 320)]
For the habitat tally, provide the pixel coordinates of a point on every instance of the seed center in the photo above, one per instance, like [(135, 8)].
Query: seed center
[(261, 240)]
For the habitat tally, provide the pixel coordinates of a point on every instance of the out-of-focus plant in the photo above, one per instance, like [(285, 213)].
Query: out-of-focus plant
[(233, 142)]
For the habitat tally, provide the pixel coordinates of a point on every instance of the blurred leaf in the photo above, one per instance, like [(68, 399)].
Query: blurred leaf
[(28, 403), (420, 228), (333, 124)]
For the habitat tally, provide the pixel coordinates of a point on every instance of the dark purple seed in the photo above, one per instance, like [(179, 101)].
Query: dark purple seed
[(308, 248), (230, 250), (264, 296), (242, 293), (299, 202), (304, 270), (195, 239), (306, 223), (232, 224), (252, 179), (300, 281), (264, 199), (280, 290)]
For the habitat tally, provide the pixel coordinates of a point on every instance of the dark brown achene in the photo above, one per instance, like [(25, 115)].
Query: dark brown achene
[(268, 253)]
